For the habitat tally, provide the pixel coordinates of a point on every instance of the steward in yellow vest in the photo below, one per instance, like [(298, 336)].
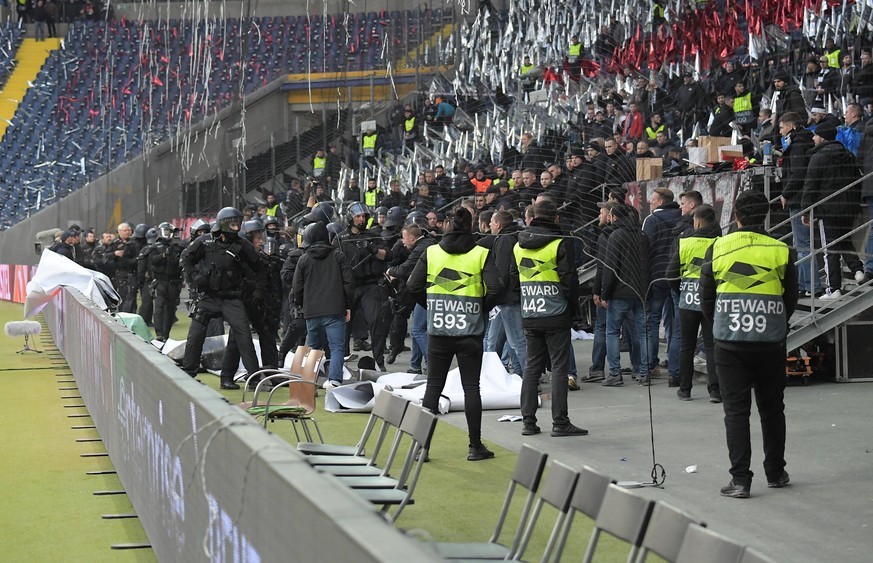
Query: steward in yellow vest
[(460, 282), (683, 271), (748, 290), (545, 270)]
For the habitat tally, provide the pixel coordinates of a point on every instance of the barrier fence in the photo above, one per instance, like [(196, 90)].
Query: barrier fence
[(208, 482)]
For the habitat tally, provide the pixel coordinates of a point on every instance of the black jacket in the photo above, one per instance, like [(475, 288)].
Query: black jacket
[(540, 233), (658, 227), (865, 155), (323, 283), (600, 254), (455, 242), (404, 270), (708, 295), (626, 263), (795, 160), (831, 168), (790, 99), (504, 245)]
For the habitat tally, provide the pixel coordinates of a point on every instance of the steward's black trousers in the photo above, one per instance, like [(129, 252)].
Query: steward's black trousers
[(440, 352), (740, 369)]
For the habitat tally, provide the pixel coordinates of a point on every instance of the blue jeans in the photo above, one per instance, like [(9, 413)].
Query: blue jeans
[(509, 320), (616, 313), (655, 304), (419, 336), (674, 340), (800, 232), (598, 350), (868, 264), (329, 332)]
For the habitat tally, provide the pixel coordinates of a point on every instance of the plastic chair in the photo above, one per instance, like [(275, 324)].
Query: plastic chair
[(301, 399), (701, 544), (418, 424), (386, 403), (527, 475), (665, 532), (625, 516), (587, 499)]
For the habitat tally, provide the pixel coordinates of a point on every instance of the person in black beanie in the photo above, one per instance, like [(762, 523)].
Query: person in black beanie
[(460, 283)]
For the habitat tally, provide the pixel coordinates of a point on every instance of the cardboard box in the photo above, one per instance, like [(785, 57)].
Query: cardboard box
[(730, 152), (711, 145), (649, 169)]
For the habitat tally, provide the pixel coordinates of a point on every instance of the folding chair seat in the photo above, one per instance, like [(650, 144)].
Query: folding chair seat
[(587, 499), (527, 474), (392, 417), (419, 425), (385, 404), (702, 544), (625, 516), (665, 532)]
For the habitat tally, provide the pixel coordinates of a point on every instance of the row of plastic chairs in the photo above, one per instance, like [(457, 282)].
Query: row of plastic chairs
[(648, 526), (364, 473)]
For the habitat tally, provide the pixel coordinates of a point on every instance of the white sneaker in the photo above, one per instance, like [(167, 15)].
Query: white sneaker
[(832, 295), (860, 277), (330, 384)]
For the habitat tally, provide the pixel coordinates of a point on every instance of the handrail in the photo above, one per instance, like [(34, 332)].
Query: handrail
[(824, 200)]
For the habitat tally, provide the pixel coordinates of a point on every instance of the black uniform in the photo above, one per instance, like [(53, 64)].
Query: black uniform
[(124, 272), (295, 324), (216, 265), (144, 281), (163, 263), (371, 294)]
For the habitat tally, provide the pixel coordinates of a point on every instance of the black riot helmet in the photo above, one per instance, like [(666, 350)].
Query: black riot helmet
[(227, 218), (417, 218), (151, 235), (271, 223), (322, 212), (314, 233), (252, 227), (333, 230), (395, 217), (381, 210), (196, 228), (166, 230), (140, 231), (356, 209)]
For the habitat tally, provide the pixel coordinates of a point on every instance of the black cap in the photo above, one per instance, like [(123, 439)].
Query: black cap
[(492, 189), (751, 208), (826, 131), (595, 146), (781, 75)]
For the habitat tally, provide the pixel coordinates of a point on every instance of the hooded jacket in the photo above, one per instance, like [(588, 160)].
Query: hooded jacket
[(795, 159), (831, 168), (602, 246), (540, 233), (626, 263), (658, 227), (323, 283)]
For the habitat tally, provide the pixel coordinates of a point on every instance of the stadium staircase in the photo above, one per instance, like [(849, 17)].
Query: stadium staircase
[(29, 59)]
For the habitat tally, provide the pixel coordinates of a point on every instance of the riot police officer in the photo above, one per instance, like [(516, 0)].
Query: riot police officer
[(216, 265), (216, 325), (144, 279), (165, 271), (120, 259), (263, 312), (366, 255)]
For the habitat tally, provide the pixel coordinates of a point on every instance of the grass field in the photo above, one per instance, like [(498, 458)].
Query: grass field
[(49, 511)]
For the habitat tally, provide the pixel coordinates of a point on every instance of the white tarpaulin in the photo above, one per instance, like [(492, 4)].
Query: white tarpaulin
[(499, 390), (55, 271)]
